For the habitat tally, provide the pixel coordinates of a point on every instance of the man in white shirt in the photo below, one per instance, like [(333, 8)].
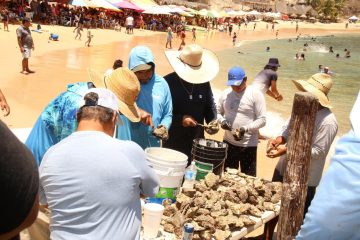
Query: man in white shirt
[(325, 130), (129, 23), (241, 112), (91, 181)]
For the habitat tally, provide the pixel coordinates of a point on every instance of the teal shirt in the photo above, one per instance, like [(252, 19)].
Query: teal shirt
[(154, 98)]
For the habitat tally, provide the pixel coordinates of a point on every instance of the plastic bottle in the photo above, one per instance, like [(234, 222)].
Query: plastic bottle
[(190, 176)]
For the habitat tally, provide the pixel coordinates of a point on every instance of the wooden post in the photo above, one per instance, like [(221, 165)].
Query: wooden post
[(298, 155)]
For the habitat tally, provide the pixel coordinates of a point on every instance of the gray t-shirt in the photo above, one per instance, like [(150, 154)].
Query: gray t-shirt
[(325, 130), (25, 36), (246, 109), (263, 80), (92, 184)]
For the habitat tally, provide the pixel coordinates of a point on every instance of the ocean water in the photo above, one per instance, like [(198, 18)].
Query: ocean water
[(251, 55)]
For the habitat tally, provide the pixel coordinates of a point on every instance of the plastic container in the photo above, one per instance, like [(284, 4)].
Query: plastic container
[(170, 166), (209, 155), (152, 217), (190, 176)]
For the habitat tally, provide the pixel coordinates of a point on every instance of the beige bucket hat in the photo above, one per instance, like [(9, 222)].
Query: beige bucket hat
[(125, 85), (319, 85), (194, 64)]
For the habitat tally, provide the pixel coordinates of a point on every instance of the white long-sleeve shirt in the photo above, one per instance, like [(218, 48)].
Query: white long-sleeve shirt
[(246, 109), (324, 133)]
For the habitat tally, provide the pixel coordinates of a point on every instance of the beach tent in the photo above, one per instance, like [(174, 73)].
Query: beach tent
[(125, 4), (157, 10), (224, 14), (94, 4), (145, 4), (213, 13), (203, 12), (254, 12)]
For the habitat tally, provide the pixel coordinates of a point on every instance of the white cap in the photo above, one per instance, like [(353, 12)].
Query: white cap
[(106, 99)]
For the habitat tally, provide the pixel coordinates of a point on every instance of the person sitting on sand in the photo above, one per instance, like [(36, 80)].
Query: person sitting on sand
[(54, 37)]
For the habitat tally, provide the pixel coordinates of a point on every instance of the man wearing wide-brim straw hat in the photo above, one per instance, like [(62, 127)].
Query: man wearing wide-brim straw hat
[(192, 97), (58, 120), (325, 130)]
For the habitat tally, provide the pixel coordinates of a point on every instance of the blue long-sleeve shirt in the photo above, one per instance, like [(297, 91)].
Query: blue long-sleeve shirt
[(154, 98)]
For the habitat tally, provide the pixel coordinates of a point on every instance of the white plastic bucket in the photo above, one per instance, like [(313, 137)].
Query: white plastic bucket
[(152, 217), (168, 164)]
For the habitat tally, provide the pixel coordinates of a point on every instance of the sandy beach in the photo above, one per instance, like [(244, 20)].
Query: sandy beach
[(67, 60), (58, 63)]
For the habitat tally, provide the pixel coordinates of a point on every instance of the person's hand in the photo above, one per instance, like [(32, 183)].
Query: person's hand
[(226, 125), (21, 49), (145, 118), (274, 143), (279, 97), (276, 152), (188, 121), (161, 132), (238, 134), (212, 127), (5, 107)]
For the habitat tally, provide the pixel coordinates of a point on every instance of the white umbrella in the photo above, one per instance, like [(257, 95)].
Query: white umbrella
[(94, 4), (254, 12), (353, 18), (157, 10)]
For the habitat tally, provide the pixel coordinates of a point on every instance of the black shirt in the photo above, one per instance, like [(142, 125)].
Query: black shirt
[(195, 100), (19, 181)]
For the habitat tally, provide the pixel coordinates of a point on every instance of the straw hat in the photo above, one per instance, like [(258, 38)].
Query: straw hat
[(194, 64), (125, 85), (319, 85)]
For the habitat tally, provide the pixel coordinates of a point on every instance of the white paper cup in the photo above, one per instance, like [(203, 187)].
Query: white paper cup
[(152, 218)]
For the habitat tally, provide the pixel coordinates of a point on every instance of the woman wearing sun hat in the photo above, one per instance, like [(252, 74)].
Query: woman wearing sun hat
[(325, 130), (191, 93)]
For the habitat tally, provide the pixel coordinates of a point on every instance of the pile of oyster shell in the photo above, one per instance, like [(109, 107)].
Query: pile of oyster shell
[(218, 206)]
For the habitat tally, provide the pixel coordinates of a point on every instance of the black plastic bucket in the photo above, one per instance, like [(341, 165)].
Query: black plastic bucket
[(209, 155)]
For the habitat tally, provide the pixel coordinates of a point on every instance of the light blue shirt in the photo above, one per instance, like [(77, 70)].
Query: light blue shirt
[(92, 184), (154, 98), (334, 212)]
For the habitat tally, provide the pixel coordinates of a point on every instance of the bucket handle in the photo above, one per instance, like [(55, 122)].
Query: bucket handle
[(211, 164)]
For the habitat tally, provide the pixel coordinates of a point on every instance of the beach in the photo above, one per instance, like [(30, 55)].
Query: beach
[(58, 63)]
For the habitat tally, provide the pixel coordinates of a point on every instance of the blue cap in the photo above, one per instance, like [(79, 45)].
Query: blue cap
[(236, 76)]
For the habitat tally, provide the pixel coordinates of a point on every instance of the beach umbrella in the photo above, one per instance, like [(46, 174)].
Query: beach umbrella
[(157, 10), (224, 14), (203, 12), (125, 4), (94, 4), (213, 13), (353, 18), (303, 16), (254, 12), (145, 4)]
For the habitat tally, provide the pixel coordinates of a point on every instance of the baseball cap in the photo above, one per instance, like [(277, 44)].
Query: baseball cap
[(141, 67), (106, 99), (236, 76)]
